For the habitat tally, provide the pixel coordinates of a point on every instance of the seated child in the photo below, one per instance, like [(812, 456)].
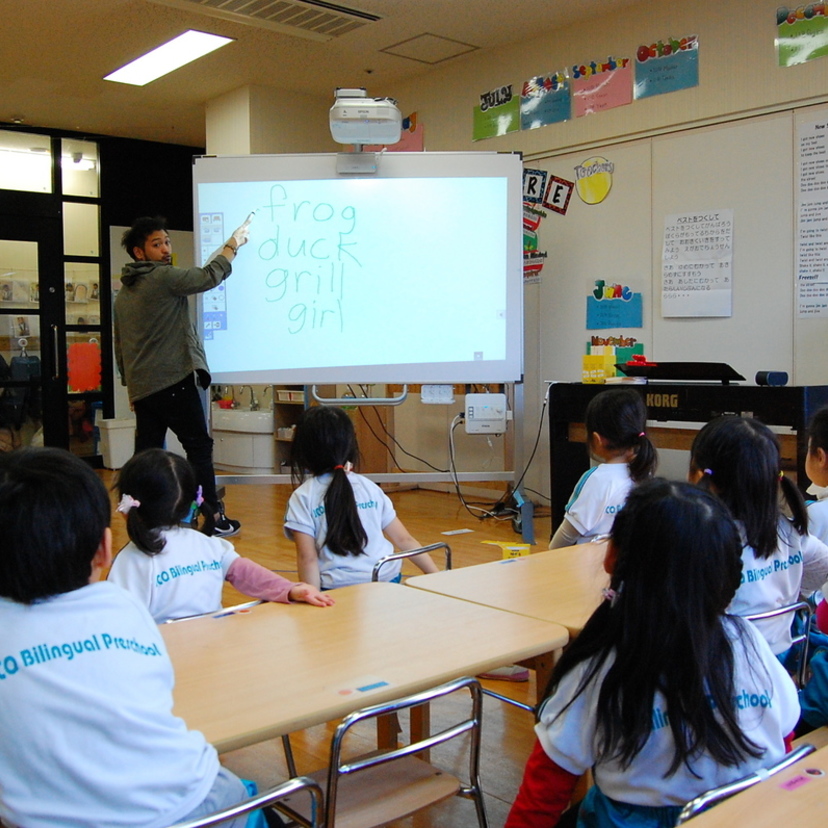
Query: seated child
[(174, 571), (615, 423), (85, 680), (341, 522), (662, 694)]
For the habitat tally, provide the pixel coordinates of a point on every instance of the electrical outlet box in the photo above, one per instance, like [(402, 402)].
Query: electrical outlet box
[(485, 413)]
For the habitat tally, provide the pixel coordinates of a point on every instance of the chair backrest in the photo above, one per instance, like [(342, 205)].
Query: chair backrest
[(411, 552), (467, 722), (804, 612), (266, 799), (715, 795)]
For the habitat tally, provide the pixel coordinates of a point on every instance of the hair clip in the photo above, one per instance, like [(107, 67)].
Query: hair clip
[(126, 503), (612, 595), (642, 434), (708, 472), (781, 475)]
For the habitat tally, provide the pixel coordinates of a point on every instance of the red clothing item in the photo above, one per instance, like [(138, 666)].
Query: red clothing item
[(822, 616), (545, 793)]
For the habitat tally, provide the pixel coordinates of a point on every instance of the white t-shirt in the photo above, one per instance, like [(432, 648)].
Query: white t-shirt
[(768, 710), (818, 519), (598, 497), (306, 513), (798, 565), (86, 712), (185, 578)]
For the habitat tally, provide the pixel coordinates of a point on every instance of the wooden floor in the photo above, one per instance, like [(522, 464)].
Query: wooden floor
[(507, 731)]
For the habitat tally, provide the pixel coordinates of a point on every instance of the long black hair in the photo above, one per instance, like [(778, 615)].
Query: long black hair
[(165, 486), (324, 442), (677, 566), (738, 458), (620, 417)]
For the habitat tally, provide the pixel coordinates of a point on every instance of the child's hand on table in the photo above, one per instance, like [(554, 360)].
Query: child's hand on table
[(310, 595)]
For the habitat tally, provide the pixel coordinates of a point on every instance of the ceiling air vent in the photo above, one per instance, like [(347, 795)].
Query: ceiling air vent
[(312, 19)]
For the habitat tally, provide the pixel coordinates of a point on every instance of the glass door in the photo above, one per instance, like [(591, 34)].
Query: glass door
[(52, 335), (30, 335)]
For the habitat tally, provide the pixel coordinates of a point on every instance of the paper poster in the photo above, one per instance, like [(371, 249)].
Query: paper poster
[(545, 100), (812, 220), (612, 305), (599, 86), (593, 179), (558, 193), (498, 113), (801, 33), (666, 66), (697, 263), (534, 185)]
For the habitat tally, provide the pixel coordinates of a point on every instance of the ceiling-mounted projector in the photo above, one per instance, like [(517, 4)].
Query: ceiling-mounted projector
[(357, 119)]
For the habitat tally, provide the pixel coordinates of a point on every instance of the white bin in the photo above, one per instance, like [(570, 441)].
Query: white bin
[(117, 441)]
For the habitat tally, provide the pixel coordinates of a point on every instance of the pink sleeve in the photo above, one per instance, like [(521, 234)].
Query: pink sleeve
[(254, 580), (544, 794)]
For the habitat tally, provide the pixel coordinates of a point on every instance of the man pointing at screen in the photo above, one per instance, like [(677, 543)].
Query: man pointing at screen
[(160, 356)]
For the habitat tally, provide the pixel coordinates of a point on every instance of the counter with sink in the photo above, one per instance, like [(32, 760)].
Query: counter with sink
[(242, 440)]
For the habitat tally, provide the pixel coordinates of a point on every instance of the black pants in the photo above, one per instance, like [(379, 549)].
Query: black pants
[(179, 409)]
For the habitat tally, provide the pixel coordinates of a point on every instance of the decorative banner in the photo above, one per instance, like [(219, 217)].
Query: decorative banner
[(597, 87), (593, 179), (697, 264), (666, 66), (534, 185), (802, 33), (533, 259), (545, 100), (558, 194), (613, 306), (497, 114), (812, 220)]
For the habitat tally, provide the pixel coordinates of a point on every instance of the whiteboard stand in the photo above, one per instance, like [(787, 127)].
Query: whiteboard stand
[(361, 400)]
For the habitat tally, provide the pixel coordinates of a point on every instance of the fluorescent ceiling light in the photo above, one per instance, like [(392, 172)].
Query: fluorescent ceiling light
[(168, 57)]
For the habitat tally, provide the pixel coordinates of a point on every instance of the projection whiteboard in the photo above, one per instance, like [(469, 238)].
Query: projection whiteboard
[(411, 274)]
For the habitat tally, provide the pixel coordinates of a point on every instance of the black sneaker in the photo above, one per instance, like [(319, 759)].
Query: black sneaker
[(224, 527)]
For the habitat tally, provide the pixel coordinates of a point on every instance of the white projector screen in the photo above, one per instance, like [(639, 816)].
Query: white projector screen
[(412, 274)]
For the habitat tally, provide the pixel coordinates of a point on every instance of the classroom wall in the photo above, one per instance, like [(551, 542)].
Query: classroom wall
[(719, 145)]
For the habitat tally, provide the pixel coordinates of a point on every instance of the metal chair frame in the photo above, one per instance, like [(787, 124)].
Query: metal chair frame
[(805, 609), (267, 799), (716, 795), (411, 552), (339, 768)]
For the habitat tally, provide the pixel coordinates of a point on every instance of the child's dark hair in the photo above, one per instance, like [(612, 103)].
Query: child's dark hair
[(324, 442), (818, 431), (677, 567), (739, 459), (142, 228), (620, 417), (165, 485), (54, 511)]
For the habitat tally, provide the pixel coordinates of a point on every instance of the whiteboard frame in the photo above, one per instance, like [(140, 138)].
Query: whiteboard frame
[(301, 167)]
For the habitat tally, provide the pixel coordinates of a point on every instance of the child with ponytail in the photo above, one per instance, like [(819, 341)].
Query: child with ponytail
[(338, 519), (616, 438), (173, 570)]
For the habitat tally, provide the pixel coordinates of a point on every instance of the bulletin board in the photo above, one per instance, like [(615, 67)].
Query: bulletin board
[(746, 166)]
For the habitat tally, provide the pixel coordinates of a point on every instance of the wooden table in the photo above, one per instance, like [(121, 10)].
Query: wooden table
[(559, 585), (276, 668), (791, 797)]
